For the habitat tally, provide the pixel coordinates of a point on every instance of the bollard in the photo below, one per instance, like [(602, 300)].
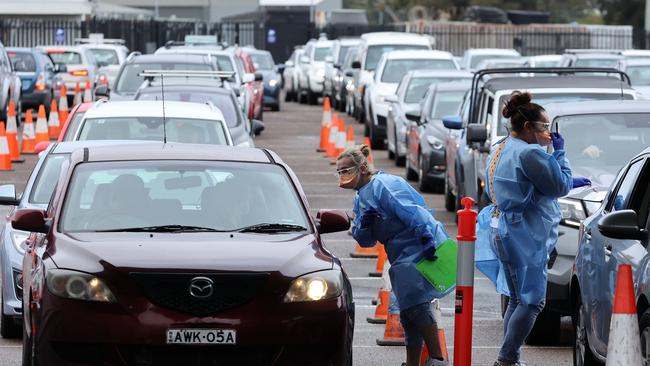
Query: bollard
[(465, 284)]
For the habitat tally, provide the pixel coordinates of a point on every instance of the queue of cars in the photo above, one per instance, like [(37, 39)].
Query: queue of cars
[(441, 122)]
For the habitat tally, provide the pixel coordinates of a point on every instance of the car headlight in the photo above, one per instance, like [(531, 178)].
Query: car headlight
[(273, 83), (78, 286), (315, 286), (434, 142), (19, 238), (572, 212)]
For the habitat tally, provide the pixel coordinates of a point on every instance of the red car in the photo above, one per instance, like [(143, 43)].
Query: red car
[(178, 254), (72, 123), (255, 87)]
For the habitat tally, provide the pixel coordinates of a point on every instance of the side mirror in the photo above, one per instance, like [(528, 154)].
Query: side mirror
[(621, 225), (392, 98), (41, 146), (413, 116), (304, 59), (349, 73), (8, 195), (476, 133), (258, 76), (102, 91), (58, 68), (329, 59), (280, 67), (248, 78), (257, 127), (30, 219), (453, 122), (331, 221), (356, 64)]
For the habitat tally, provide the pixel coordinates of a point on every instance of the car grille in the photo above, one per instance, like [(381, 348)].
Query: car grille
[(381, 120), (172, 290), (552, 258)]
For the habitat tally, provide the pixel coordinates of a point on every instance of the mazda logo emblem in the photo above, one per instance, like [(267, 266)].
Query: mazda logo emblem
[(201, 287)]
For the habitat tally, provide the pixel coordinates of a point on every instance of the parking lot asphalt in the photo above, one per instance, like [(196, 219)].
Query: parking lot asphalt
[(294, 134)]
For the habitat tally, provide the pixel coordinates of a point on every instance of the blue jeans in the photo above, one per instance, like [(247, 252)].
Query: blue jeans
[(519, 318), (414, 320)]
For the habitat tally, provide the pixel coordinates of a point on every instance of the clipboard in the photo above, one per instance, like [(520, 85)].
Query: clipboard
[(441, 273)]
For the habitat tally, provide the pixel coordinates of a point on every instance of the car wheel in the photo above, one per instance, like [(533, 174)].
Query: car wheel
[(424, 184), (546, 330), (450, 199), (276, 107), (411, 174), (302, 98), (582, 355), (9, 329), (312, 98), (288, 97), (391, 154), (644, 329)]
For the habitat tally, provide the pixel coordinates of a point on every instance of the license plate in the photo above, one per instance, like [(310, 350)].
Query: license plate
[(201, 336)]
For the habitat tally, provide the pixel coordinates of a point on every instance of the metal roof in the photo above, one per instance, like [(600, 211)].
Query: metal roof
[(555, 82)]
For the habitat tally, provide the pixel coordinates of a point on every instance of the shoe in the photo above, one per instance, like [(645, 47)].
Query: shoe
[(435, 362)]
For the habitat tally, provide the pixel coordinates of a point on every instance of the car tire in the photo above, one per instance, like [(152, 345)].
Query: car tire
[(450, 199), (546, 330), (411, 174), (391, 154), (312, 99), (582, 355), (424, 184), (644, 330), (8, 327)]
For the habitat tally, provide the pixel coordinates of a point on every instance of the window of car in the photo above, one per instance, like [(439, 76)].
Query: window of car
[(343, 51), (374, 53), (225, 102), (350, 57), (47, 61), (105, 56), (22, 61), (46, 180), (622, 198), (321, 52), (188, 130), (394, 70), (639, 75), (446, 103), (418, 86), (73, 126), (477, 59), (263, 61), (65, 57), (595, 62), (129, 80), (223, 196)]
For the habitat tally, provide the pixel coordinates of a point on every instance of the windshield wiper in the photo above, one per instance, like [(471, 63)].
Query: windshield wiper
[(271, 228), (163, 229)]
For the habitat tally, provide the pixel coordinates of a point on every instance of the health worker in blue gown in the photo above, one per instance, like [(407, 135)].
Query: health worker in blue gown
[(388, 210), (520, 228)]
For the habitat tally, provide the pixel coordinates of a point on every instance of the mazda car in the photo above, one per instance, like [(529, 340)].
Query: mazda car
[(170, 254)]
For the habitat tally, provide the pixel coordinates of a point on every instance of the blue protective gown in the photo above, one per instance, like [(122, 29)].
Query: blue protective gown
[(527, 183), (404, 226)]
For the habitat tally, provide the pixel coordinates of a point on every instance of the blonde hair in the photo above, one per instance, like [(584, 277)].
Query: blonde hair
[(359, 155)]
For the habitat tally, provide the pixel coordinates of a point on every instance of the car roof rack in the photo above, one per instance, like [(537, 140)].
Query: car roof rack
[(152, 74), (479, 77), (113, 41)]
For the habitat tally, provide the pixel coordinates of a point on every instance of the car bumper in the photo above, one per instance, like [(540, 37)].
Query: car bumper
[(271, 95), (559, 273), (435, 165), (36, 98), (291, 334), (11, 264)]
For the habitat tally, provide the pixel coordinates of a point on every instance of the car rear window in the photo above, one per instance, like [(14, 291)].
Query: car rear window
[(595, 62), (129, 81), (47, 178), (225, 102), (477, 59), (22, 61), (105, 56), (374, 53), (418, 86), (446, 103), (263, 61), (224, 196), (73, 126), (65, 57), (196, 131), (395, 70), (639, 75), (321, 52)]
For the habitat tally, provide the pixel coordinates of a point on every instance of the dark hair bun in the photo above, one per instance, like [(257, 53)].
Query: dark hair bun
[(517, 99), (365, 150)]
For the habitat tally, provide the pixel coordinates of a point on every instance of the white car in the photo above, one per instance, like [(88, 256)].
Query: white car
[(592, 58), (80, 65), (473, 56), (543, 61), (109, 55), (291, 75), (310, 85), (371, 48), (334, 62), (391, 68), (636, 54), (639, 72), (198, 123)]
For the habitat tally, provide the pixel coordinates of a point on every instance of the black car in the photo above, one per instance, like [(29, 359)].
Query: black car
[(38, 76)]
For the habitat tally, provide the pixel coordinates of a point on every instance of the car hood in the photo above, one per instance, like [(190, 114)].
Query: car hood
[(600, 182), (290, 254)]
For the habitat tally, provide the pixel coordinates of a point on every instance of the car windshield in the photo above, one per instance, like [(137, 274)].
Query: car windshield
[(22, 61), (195, 131), (263, 61), (65, 57), (129, 81), (418, 86), (545, 99), (321, 52), (221, 196), (477, 59), (395, 70), (105, 56), (47, 178), (374, 53), (597, 62), (639, 75), (446, 103), (343, 51), (225, 102), (73, 126), (598, 145)]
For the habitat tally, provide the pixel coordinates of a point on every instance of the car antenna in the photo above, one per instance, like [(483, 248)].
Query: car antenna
[(162, 92)]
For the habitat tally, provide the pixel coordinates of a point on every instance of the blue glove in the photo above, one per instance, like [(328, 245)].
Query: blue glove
[(368, 218), (558, 141), (429, 251), (581, 182)]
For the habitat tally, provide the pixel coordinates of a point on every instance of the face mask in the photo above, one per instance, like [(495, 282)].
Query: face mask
[(346, 179), (542, 141)]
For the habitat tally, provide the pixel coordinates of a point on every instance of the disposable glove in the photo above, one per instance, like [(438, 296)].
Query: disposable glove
[(429, 251), (581, 182), (368, 218), (558, 141)]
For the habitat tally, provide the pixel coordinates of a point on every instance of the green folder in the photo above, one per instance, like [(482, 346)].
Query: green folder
[(441, 273)]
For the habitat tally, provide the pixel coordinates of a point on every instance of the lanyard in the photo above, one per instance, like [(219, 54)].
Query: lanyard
[(493, 168)]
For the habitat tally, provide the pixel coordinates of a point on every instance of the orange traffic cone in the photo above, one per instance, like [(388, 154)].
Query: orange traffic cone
[(77, 95), (366, 141), (88, 92), (349, 141), (12, 134), (393, 332), (381, 311), (381, 260), (624, 346), (330, 150), (339, 145), (63, 99), (5, 156), (327, 119), (29, 134), (53, 125), (361, 252), (424, 356), (42, 134)]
